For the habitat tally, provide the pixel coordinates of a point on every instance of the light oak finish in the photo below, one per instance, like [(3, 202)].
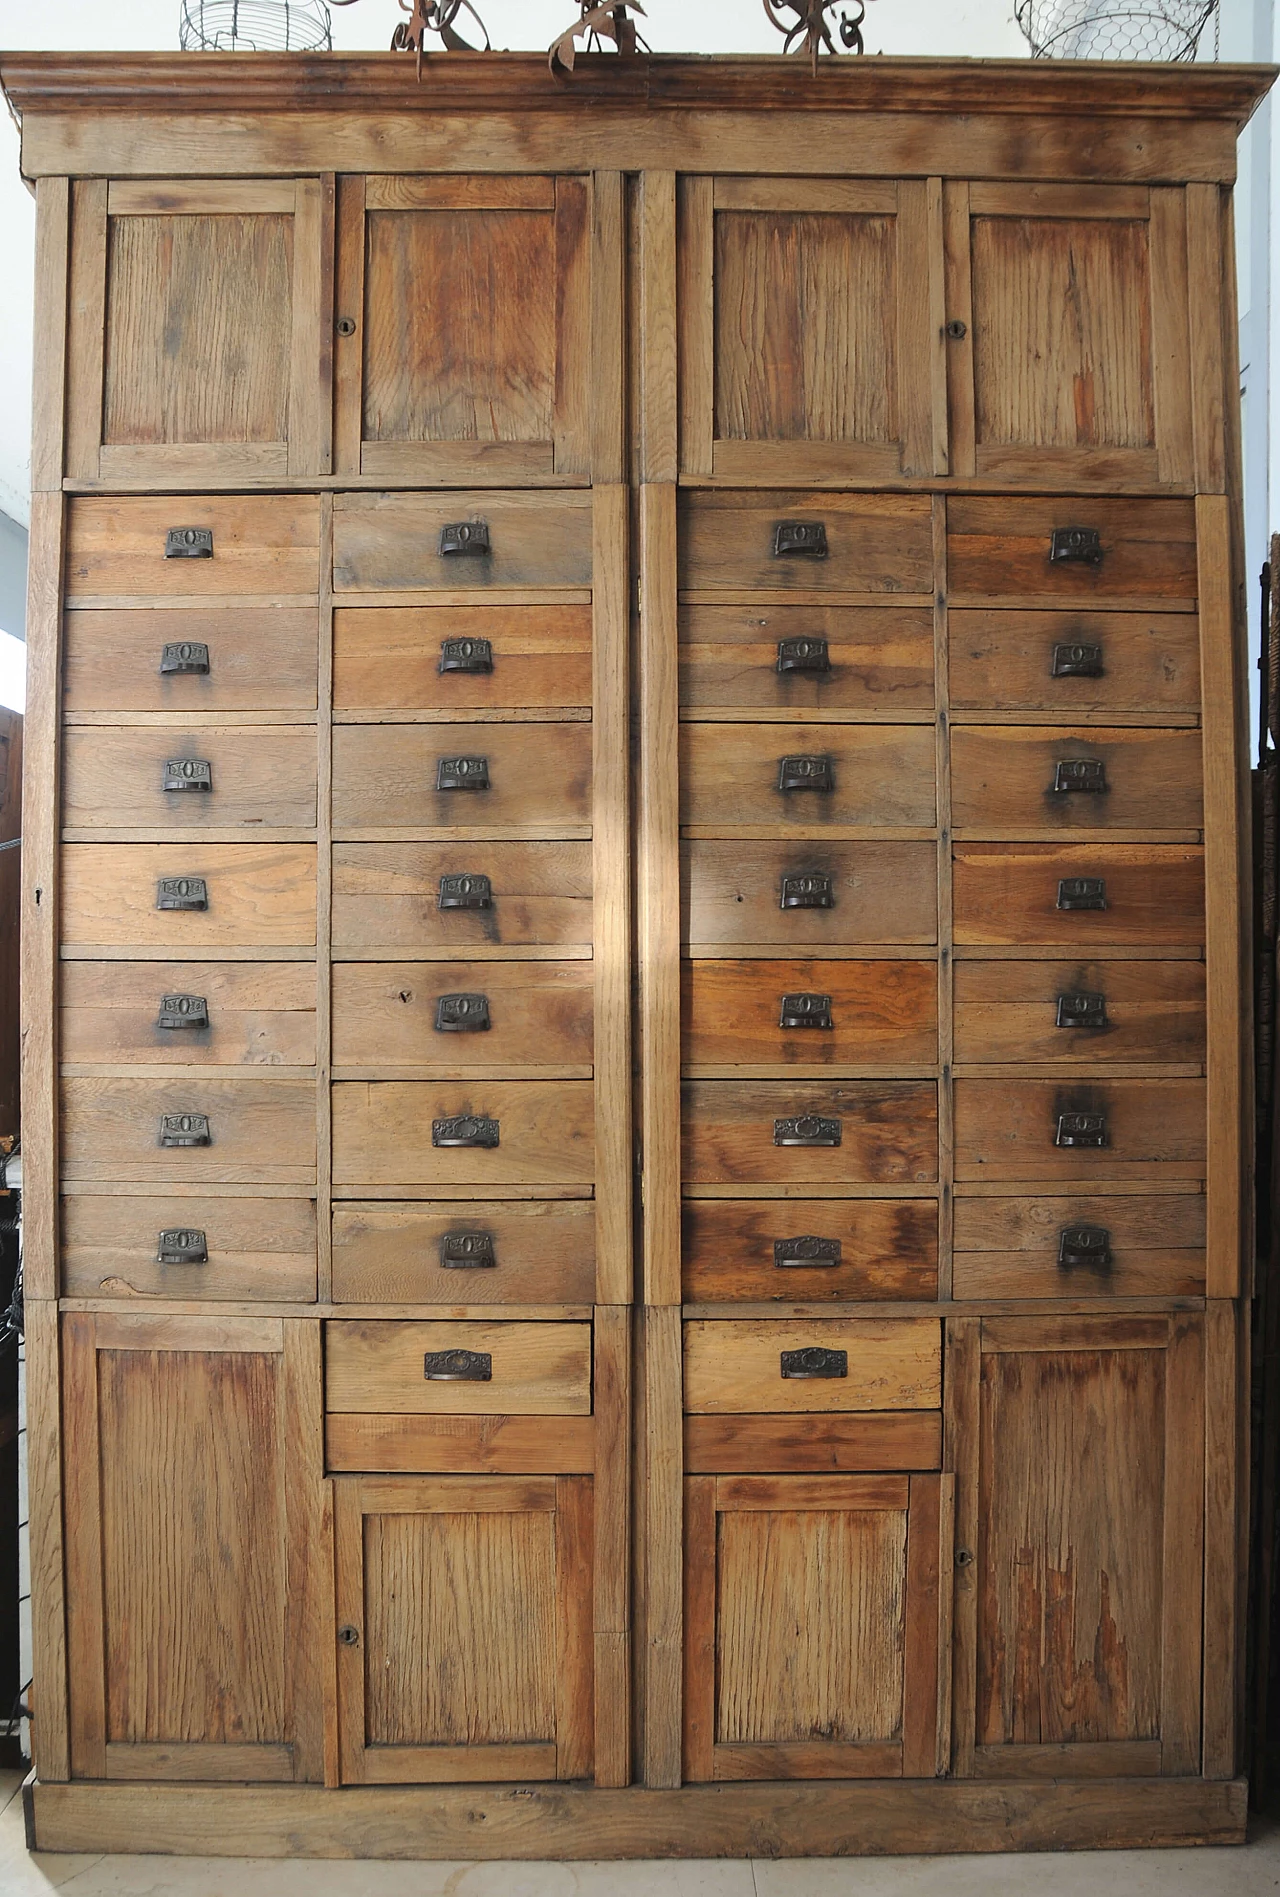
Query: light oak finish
[(1005, 1129), (260, 659), (1004, 780), (267, 545), (1011, 1248), (386, 898), (116, 779), (388, 778), (537, 1369), (880, 659), (1003, 661), (888, 1132), (1008, 1012), (877, 544), (259, 1014), (262, 1250), (259, 1130), (883, 892), (880, 776), (382, 1133), (881, 1014), (259, 895), (390, 1254), (386, 1018), (390, 543), (389, 658), (893, 1363)]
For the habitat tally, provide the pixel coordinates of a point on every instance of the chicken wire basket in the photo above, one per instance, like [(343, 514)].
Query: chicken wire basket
[(255, 26), (1112, 29)]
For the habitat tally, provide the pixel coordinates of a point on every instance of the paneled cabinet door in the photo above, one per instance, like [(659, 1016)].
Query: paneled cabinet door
[(193, 1503), (811, 328)]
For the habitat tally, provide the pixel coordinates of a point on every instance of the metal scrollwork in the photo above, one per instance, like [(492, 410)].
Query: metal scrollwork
[(432, 16), (610, 21), (810, 31)]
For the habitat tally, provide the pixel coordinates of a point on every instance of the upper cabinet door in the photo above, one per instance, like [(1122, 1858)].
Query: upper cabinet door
[(463, 329), (199, 348), (1068, 339), (811, 329)]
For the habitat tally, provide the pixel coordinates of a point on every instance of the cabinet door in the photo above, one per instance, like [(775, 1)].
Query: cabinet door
[(193, 1492)]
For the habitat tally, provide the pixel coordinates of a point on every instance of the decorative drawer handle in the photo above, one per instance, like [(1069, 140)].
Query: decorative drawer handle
[(462, 1014), (464, 537), (800, 540), (184, 656), (806, 773), (1081, 1129), (187, 773), (462, 773), (1077, 661), (182, 892), (182, 1247), (1080, 774), (1084, 1246), (1082, 892), (807, 1129), (185, 1129), (807, 889), (189, 543), (465, 1129), (815, 1361), (806, 1011), (1081, 546), (183, 1011), (803, 655), (803, 1254), (467, 1251), (457, 1366), (466, 655), (1082, 1011), (465, 891)]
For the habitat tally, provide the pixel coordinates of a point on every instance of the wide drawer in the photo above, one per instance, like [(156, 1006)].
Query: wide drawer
[(151, 1247), (809, 1014), (253, 1013), (252, 658), (403, 543), (806, 658), (1079, 1011), (1024, 780), (439, 1017), (501, 1252), (374, 1367), (252, 1130), (1080, 1247), (1070, 662), (1001, 551), (534, 1132), (871, 1131), (463, 777), (802, 1250), (265, 544), (224, 895), (744, 1365), (187, 779), (1086, 897), (805, 897), (1107, 1129), (870, 543), (807, 776), (461, 658), (516, 895)]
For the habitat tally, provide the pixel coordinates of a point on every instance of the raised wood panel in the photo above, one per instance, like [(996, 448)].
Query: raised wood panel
[(880, 659), (259, 895), (536, 1369), (881, 893), (881, 1013), (888, 1249), (543, 1253), (879, 775), (1008, 895), (1012, 1248), (386, 896), (1004, 661), (387, 777), (382, 1133), (258, 1249), (386, 1016), (259, 1013), (888, 1132), (1008, 1011), (260, 658), (389, 658)]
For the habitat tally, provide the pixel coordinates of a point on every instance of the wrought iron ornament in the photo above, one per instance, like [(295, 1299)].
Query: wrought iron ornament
[(809, 31), (610, 21)]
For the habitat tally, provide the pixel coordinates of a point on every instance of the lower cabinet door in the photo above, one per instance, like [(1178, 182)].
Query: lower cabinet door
[(464, 1628), (816, 1633)]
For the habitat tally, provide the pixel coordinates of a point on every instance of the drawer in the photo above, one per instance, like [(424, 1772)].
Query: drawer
[(746, 1249), (1080, 1247), (1070, 662), (439, 1017), (384, 1133), (806, 658), (524, 895), (807, 775), (389, 543), (849, 893), (461, 658), (120, 778), (134, 1247), (1013, 894), (743, 1365), (265, 544), (507, 1252), (462, 777), (874, 1131), (809, 1014), (374, 1367), (1000, 552), (252, 895), (874, 543), (1010, 1011), (254, 658), (1017, 1129), (254, 1013), (260, 1131), (1025, 780)]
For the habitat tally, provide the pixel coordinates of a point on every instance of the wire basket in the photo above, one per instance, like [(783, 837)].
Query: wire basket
[(1112, 29), (255, 26)]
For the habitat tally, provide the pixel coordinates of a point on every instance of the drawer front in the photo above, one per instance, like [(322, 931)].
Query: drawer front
[(505, 1252), (807, 775), (254, 895), (253, 658), (1014, 1129), (806, 658), (1014, 894), (463, 777), (388, 895), (118, 779), (150, 1247), (1000, 552), (255, 1130), (265, 544), (253, 1013), (880, 1131), (1080, 1247), (852, 893), (385, 1134), (803, 1250), (874, 543), (1071, 662), (388, 543), (1024, 781), (744, 1366), (461, 658), (438, 1017), (1080, 1011), (809, 1014), (376, 1368)]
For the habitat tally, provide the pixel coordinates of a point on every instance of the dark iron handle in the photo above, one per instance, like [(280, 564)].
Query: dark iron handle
[(465, 891), (806, 1011), (182, 892), (1076, 661), (814, 1361), (462, 1014), (807, 1129), (182, 1246), (1082, 892), (807, 889), (462, 773), (467, 1251), (1082, 1011), (1078, 546), (804, 1254), (1084, 1246), (188, 543), (806, 773), (187, 773), (184, 656), (465, 1129), (1080, 774), (185, 1129), (800, 540), (178, 1012), (1081, 1130), (466, 655), (809, 656), (464, 537), (457, 1366)]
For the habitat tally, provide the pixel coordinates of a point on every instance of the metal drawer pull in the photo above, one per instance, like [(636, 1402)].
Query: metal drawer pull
[(182, 1247), (457, 1366), (1082, 892), (803, 1254), (1084, 1246), (187, 773), (807, 1129), (465, 1129), (466, 655), (184, 656), (189, 543), (806, 1011), (1082, 1011), (1081, 1129), (807, 889), (465, 891), (1079, 545), (803, 655), (462, 1014), (800, 540), (462, 773), (183, 1011), (182, 892), (1080, 773), (815, 1361), (1078, 661), (464, 537), (467, 1251), (806, 773), (185, 1129)]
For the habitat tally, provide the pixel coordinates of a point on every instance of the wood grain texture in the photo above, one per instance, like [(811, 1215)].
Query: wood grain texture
[(608, 327), (1004, 661), (115, 779), (385, 778), (258, 1248), (880, 658), (876, 543), (1005, 1129), (1224, 1496), (391, 1254), (1004, 777), (611, 876), (696, 266), (539, 1016), (382, 1133), (266, 544), (260, 659), (866, 1441), (999, 553), (611, 1611), (881, 775), (660, 1540), (386, 896), (925, 1661), (658, 411), (260, 1130), (537, 1369), (882, 892), (893, 1363), (889, 1131), (363, 1442), (390, 542), (84, 294), (50, 1640), (54, 281), (1007, 895), (888, 1249), (259, 895), (1007, 1011), (881, 1012), (1010, 1247), (388, 658)]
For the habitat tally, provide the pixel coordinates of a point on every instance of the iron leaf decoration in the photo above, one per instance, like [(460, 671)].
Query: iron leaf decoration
[(611, 21), (432, 16), (809, 31)]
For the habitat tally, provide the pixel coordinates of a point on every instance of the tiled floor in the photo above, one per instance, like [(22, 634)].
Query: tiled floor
[(1252, 1872)]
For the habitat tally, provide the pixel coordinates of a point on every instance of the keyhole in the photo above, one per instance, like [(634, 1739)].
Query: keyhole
[(406, 994)]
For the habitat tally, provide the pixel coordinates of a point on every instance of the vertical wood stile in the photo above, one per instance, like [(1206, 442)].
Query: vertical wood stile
[(921, 336), (50, 1733), (328, 1558), (961, 1398), (608, 332), (611, 1620), (1170, 343), (695, 240), (309, 1639), (324, 912), (658, 417), (348, 351), (946, 1603), (1222, 1415), (1182, 1589), (700, 1628), (310, 447), (661, 1513), (84, 334), (1204, 295), (946, 968), (611, 881), (922, 1659), (958, 275)]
